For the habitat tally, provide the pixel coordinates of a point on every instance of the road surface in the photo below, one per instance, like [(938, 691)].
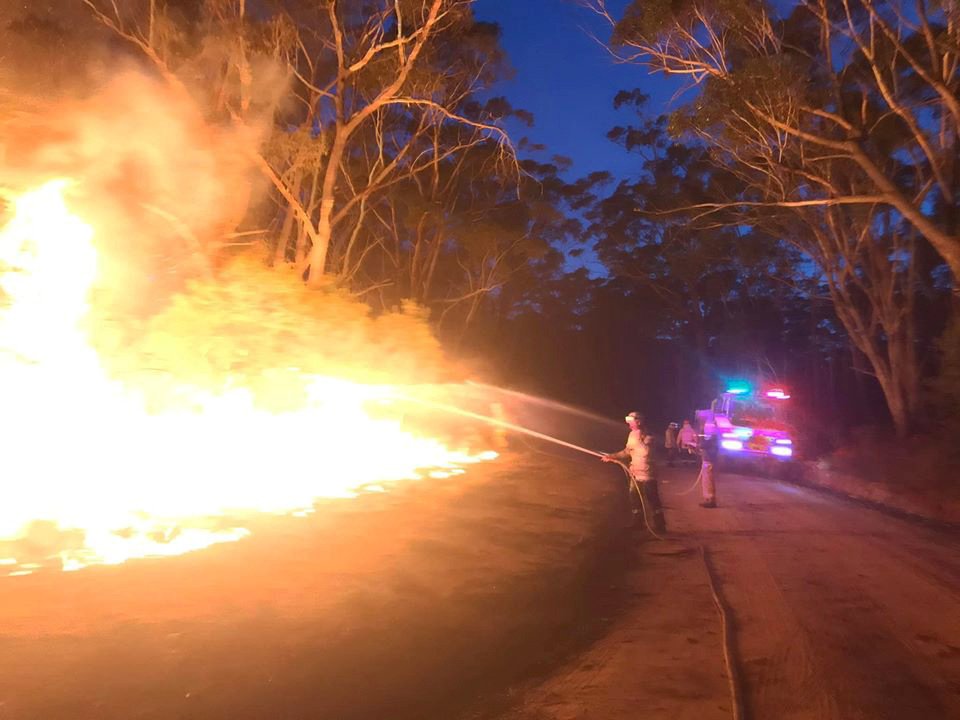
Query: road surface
[(517, 592), (841, 612)]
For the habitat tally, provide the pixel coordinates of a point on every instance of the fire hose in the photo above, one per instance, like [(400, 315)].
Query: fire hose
[(726, 622), (635, 487), (695, 483), (734, 681)]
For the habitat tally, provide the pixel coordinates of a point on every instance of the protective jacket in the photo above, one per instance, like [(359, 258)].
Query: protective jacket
[(637, 455), (670, 438), (688, 436)]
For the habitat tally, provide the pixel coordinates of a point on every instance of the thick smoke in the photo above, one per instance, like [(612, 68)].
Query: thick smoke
[(162, 186), (156, 162)]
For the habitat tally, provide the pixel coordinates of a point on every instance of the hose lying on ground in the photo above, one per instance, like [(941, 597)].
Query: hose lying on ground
[(695, 483), (729, 651), (726, 623)]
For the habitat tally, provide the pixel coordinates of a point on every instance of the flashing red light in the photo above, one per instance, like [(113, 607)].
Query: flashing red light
[(777, 394)]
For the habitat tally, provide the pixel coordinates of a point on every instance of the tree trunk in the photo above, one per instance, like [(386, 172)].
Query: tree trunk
[(414, 290), (432, 267), (317, 258), (283, 239), (468, 320), (300, 252), (286, 232), (896, 403), (700, 340), (889, 373)]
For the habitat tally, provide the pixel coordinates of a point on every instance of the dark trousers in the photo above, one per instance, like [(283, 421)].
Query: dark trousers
[(648, 503)]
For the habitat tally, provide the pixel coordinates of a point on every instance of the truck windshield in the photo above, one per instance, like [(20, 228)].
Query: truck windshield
[(750, 413)]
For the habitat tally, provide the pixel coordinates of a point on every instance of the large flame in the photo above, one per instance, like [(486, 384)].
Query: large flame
[(96, 478)]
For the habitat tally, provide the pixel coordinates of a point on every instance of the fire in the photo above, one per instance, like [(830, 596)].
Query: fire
[(94, 477)]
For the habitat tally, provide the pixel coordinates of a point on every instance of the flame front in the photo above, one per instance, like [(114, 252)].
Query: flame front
[(93, 477)]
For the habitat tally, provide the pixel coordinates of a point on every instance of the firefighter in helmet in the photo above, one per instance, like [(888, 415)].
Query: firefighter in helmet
[(636, 455)]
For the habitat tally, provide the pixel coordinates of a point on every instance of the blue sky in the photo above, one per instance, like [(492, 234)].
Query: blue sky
[(568, 80)]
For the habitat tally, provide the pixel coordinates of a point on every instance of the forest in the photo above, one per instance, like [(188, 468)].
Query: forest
[(794, 216)]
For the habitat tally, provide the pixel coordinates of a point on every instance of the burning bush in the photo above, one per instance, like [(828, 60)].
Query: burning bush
[(249, 322), (146, 385)]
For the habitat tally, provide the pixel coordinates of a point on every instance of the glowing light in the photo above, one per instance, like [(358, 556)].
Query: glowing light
[(93, 477), (741, 433), (783, 441), (731, 445), (777, 394), (738, 390), (781, 450)]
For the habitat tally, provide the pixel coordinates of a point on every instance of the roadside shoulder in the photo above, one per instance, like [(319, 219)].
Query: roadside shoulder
[(818, 475), (661, 657)]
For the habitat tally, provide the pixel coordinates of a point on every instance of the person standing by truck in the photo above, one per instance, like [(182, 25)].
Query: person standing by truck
[(687, 441), (709, 454)]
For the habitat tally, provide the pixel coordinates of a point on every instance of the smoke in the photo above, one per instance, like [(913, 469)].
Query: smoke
[(163, 185), (164, 170), (48, 46), (156, 160)]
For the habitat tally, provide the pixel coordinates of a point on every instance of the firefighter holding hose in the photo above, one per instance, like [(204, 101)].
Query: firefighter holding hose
[(636, 455)]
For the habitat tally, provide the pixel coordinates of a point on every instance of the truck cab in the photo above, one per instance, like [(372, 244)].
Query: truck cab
[(751, 423)]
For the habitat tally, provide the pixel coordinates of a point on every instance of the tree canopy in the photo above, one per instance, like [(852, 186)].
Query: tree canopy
[(794, 217)]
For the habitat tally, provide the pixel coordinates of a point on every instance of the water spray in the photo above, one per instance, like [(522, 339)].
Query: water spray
[(563, 407), (729, 655), (454, 410)]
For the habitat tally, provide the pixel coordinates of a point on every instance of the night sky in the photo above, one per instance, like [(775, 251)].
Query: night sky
[(568, 81)]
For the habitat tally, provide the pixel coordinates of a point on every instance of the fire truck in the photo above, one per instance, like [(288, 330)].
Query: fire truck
[(752, 423)]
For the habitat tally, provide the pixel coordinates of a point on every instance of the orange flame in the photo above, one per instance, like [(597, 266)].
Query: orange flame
[(99, 479)]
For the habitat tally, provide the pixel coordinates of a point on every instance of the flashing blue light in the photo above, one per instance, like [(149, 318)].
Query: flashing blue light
[(731, 445), (782, 450), (738, 390)]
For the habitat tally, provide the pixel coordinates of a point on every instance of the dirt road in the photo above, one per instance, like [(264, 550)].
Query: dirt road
[(841, 613)]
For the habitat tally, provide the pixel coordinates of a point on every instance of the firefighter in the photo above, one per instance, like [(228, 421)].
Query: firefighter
[(709, 454), (637, 454), (670, 443), (687, 441)]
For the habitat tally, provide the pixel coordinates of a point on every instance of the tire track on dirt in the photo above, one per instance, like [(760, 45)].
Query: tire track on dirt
[(860, 610)]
